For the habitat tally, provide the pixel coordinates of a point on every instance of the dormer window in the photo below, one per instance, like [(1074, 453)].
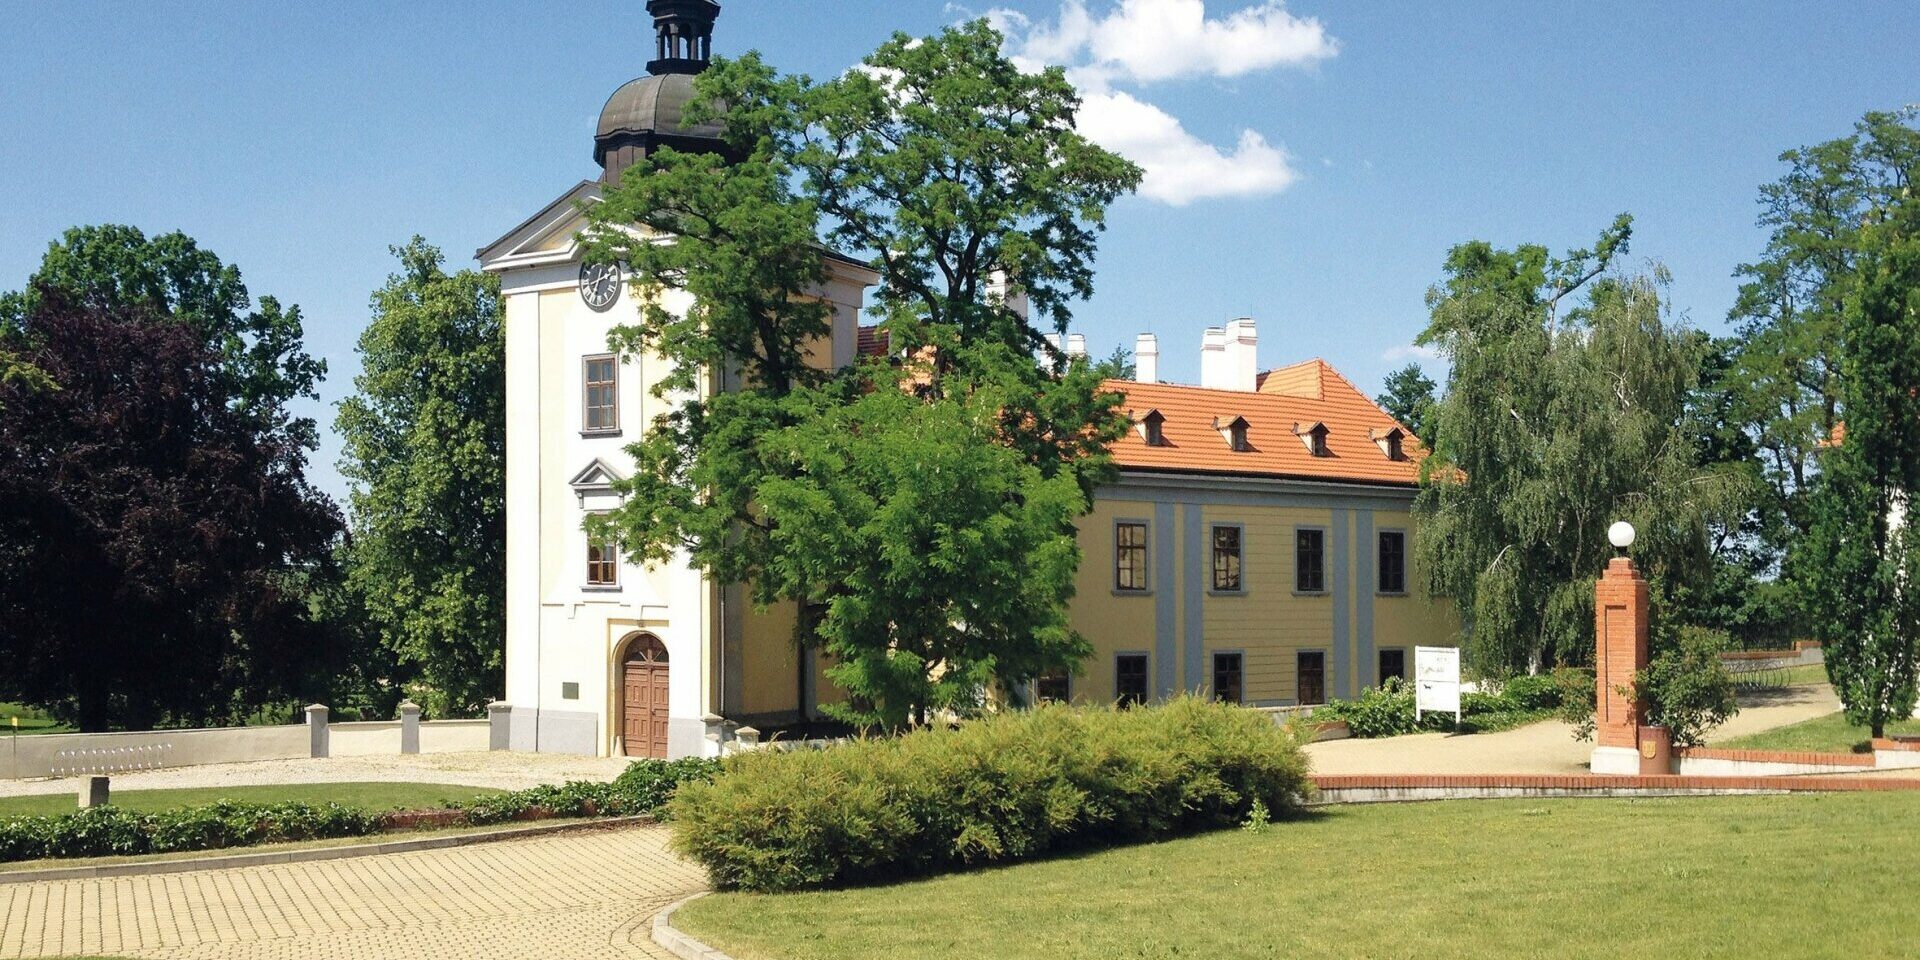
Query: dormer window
[(1314, 435), (1152, 428), (1234, 432), (1391, 442)]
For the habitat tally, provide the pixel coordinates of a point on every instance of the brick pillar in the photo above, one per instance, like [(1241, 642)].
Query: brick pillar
[(1620, 631)]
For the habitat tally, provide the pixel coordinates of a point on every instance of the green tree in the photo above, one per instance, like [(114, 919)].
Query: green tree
[(1783, 379), (263, 362), (1862, 564), (425, 447), (1561, 415), (1118, 365), (961, 178), (1409, 399)]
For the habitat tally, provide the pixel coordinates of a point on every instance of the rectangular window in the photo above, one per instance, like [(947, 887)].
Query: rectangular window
[(603, 564), (1130, 678), (1393, 665), (1130, 556), (602, 379), (1052, 687), (1310, 674), (1226, 677), (1226, 559), (1310, 561), (1393, 561)]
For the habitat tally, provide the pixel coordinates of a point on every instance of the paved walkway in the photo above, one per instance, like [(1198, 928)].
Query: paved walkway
[(502, 770), (585, 895), (1541, 747)]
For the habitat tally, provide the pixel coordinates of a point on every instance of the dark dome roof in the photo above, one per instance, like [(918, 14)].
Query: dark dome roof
[(654, 104)]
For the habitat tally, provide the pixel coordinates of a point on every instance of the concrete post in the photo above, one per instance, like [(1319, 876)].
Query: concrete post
[(96, 793), (409, 727), (317, 730), (499, 725), (1620, 631), (748, 737)]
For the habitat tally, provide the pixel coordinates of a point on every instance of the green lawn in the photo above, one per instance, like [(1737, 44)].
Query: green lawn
[(31, 721), (367, 796), (1828, 734), (1784, 876)]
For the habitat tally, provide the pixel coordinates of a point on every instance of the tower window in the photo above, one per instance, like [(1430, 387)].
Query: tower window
[(601, 381), (603, 564)]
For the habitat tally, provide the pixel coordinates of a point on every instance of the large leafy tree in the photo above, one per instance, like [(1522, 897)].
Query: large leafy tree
[(961, 179), (1862, 564), (425, 448), (1408, 397), (262, 363), (156, 540), (1783, 380), (1564, 411)]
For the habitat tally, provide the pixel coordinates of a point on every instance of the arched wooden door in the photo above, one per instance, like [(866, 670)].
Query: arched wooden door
[(643, 698)]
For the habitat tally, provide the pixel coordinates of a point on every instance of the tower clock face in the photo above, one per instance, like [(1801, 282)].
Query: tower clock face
[(600, 284)]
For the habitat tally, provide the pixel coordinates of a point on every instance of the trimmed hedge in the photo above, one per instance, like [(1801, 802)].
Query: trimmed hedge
[(111, 832), (994, 790)]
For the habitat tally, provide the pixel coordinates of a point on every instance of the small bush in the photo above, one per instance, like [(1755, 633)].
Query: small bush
[(1388, 710), (997, 789), (1687, 688)]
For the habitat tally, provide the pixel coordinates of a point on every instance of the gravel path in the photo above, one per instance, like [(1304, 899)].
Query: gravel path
[(502, 770)]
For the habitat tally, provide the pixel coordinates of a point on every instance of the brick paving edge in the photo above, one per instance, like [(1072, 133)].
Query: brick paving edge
[(675, 940), (309, 855)]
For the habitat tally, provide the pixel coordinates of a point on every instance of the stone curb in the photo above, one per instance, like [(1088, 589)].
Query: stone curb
[(677, 943), (346, 852)]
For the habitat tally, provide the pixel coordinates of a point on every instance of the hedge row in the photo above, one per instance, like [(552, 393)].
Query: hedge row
[(110, 831), (998, 789), (113, 832)]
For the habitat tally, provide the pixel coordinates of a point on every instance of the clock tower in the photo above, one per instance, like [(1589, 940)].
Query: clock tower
[(605, 654)]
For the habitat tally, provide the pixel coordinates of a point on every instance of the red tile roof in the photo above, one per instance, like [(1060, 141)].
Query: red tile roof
[(872, 342), (1302, 394)]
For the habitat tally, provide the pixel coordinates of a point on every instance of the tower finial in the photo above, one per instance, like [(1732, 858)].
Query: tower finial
[(683, 35)]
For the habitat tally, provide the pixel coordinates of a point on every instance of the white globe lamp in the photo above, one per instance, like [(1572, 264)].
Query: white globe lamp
[(1621, 534)]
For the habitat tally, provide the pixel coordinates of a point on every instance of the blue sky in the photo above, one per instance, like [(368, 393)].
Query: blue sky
[(300, 140)]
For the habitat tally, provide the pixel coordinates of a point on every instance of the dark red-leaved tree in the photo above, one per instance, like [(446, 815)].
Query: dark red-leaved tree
[(154, 539)]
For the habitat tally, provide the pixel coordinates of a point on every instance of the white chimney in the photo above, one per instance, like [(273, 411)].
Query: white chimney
[(1146, 358), (1243, 360), (1053, 340), (1002, 290), (1213, 358), (1076, 345)]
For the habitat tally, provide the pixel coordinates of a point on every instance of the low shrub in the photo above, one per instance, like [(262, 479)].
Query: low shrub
[(110, 831), (1388, 710), (996, 789), (643, 787)]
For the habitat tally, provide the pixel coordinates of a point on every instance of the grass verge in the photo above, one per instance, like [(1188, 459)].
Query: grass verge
[(1788, 876), (1829, 734), (364, 796)]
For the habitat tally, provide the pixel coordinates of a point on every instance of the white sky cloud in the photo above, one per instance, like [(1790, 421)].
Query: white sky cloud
[(1140, 42), (1411, 351), (1180, 167)]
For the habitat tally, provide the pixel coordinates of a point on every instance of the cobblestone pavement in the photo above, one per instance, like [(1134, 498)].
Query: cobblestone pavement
[(586, 895), (503, 770)]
